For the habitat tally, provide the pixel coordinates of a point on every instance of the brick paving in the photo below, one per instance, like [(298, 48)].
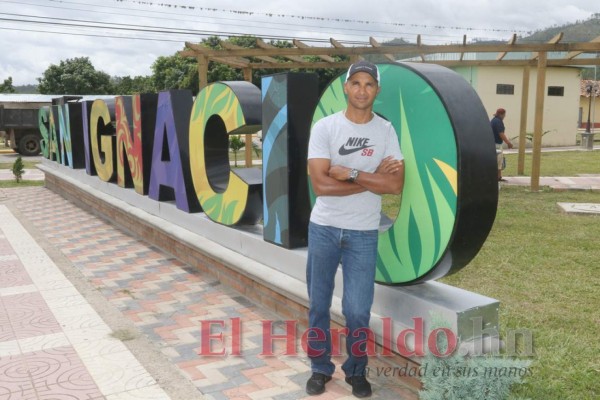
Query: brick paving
[(168, 302), (49, 335)]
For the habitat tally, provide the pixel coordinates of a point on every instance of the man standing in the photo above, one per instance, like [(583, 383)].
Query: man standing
[(353, 158), (500, 137)]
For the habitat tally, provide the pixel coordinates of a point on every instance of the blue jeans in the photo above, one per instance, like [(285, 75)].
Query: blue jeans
[(357, 251)]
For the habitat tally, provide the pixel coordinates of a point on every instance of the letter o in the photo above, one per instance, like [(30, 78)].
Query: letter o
[(451, 191)]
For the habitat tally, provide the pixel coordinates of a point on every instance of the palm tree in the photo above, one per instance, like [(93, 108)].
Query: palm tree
[(235, 144)]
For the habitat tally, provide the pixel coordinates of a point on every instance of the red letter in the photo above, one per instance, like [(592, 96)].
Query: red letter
[(236, 336), (418, 340), (289, 337), (386, 342), (206, 337), (319, 336), (433, 343), (369, 343)]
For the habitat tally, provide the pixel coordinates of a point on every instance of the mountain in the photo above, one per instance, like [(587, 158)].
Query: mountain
[(26, 89), (579, 31)]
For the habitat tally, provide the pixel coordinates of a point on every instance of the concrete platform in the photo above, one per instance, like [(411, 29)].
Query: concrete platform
[(263, 271), (580, 208)]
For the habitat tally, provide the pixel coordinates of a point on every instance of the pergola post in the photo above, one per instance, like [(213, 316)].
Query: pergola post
[(523, 123), (202, 71), (248, 150), (539, 121)]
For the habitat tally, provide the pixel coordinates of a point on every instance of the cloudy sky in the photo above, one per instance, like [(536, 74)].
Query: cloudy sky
[(124, 37)]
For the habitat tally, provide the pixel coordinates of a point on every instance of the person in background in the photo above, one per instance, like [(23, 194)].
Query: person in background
[(500, 138)]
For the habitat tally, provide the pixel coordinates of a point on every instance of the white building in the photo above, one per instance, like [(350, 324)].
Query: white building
[(502, 87)]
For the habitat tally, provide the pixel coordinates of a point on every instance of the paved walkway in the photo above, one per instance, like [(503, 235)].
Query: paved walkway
[(582, 182), (88, 311), (53, 344)]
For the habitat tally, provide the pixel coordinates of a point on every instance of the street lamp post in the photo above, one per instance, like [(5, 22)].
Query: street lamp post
[(589, 90), (587, 138)]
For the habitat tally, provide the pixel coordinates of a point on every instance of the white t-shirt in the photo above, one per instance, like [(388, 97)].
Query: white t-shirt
[(360, 146)]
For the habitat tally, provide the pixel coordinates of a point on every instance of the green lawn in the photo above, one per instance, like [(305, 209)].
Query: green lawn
[(26, 164), (543, 265), (564, 163), (13, 184)]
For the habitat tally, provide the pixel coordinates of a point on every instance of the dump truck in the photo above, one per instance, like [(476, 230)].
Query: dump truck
[(19, 121)]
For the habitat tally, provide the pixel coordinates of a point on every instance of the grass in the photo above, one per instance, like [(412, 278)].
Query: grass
[(26, 164), (124, 335), (560, 163), (564, 163), (14, 184), (542, 265), (241, 159)]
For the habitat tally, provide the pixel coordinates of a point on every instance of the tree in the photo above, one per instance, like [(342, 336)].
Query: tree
[(220, 72), (74, 76), (235, 144), (7, 86), (175, 72), (127, 85), (18, 169)]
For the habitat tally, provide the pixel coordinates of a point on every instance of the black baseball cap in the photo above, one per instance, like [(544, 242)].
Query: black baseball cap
[(363, 66)]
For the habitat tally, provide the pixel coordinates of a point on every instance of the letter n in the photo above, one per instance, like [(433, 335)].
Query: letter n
[(86, 111), (135, 139), (71, 133)]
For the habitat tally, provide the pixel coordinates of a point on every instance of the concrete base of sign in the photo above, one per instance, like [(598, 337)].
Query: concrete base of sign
[(242, 249), (580, 208)]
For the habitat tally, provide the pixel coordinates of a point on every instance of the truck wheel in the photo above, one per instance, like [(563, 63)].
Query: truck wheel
[(29, 145)]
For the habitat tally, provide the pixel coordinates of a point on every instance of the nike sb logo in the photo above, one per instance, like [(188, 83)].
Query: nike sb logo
[(353, 145)]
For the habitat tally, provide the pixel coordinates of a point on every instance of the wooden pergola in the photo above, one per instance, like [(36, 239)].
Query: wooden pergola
[(561, 54)]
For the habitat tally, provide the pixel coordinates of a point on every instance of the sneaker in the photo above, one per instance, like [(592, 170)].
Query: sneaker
[(502, 180), (360, 386), (316, 383)]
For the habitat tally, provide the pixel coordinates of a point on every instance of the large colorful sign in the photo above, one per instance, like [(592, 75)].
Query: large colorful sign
[(175, 149)]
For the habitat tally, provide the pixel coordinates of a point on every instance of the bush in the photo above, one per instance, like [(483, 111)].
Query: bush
[(18, 169), (487, 377)]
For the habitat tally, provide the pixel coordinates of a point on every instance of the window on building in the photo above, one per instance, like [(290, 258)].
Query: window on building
[(502, 88), (556, 90)]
